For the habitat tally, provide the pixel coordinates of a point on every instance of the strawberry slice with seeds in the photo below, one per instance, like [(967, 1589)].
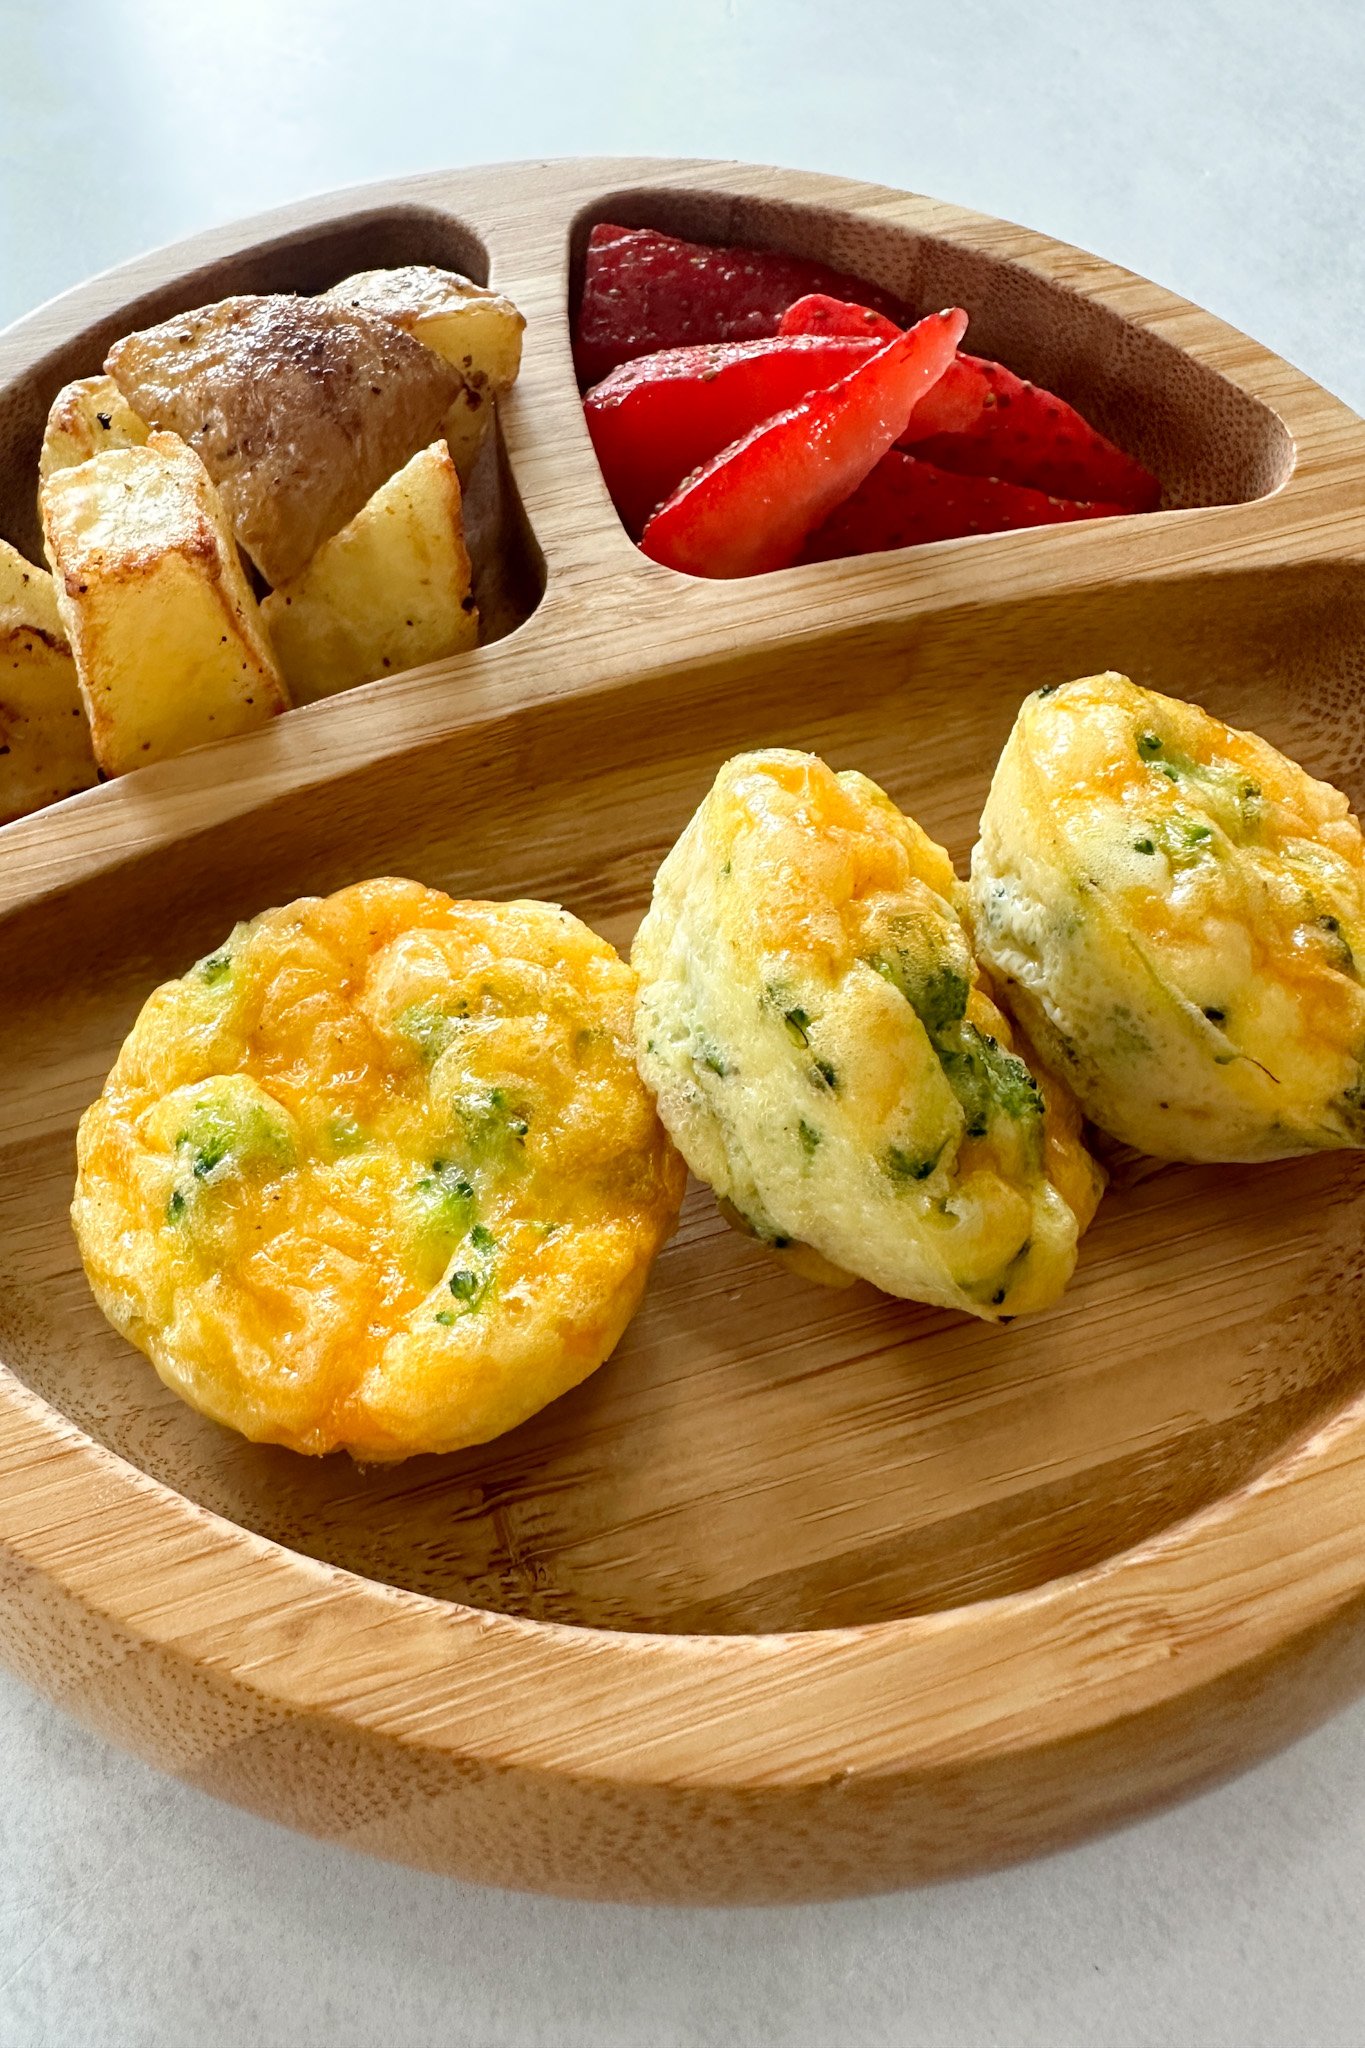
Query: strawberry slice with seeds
[(981, 420), (818, 313), (653, 421), (905, 502), (752, 507), (643, 291)]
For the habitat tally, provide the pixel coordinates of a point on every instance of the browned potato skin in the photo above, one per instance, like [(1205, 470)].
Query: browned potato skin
[(298, 408), (476, 330)]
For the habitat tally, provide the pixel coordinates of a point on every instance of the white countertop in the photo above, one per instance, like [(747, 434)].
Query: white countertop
[(1217, 148)]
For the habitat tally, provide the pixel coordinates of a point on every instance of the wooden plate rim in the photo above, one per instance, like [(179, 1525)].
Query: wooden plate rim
[(523, 214), (886, 1700)]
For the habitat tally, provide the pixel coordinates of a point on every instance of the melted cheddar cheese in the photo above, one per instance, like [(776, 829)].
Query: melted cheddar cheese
[(828, 1058), (1177, 912), (380, 1172)]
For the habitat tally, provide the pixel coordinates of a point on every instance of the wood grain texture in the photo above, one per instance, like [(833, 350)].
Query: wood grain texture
[(804, 1593)]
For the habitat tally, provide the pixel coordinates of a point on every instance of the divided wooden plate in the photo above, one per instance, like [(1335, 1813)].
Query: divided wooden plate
[(804, 1593)]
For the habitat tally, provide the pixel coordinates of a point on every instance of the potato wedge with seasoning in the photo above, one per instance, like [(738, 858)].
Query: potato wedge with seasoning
[(87, 418), (827, 1057), (1177, 912), (298, 408), (476, 330), (44, 735), (389, 592), (166, 634)]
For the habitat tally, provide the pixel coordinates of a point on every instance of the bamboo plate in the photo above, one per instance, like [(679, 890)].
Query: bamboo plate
[(804, 1593)]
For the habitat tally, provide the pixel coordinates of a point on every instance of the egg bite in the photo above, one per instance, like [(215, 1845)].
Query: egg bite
[(827, 1057), (380, 1173), (1177, 913)]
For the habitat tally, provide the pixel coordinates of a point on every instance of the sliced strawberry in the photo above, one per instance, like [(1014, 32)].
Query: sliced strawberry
[(657, 419), (905, 502), (1001, 425), (964, 408), (751, 507), (982, 420), (818, 313), (644, 291)]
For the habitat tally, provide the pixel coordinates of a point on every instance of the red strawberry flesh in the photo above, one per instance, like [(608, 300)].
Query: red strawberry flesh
[(752, 507), (653, 421), (905, 502), (644, 291)]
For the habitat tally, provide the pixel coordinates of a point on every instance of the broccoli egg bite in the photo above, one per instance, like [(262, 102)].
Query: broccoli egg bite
[(380, 1173), (1178, 915), (827, 1057)]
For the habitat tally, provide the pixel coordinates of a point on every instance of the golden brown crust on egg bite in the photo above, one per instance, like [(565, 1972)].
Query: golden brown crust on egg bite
[(1178, 913), (380, 1173), (828, 1058)]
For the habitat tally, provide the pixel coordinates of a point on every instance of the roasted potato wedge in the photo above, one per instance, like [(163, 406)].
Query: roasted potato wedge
[(477, 331), (87, 418), (44, 738), (299, 409), (167, 637), (388, 592)]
